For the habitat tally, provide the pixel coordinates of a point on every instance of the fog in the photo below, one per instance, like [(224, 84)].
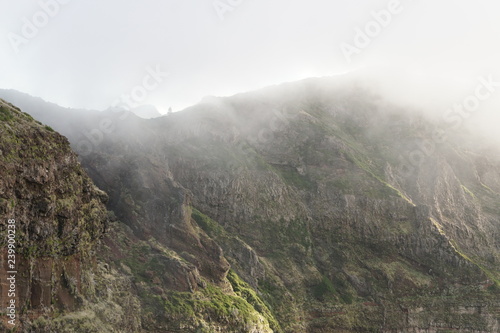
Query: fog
[(171, 54)]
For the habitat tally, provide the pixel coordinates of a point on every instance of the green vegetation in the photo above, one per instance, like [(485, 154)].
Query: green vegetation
[(211, 227), (327, 290), (488, 188), (5, 114), (453, 244), (364, 165), (209, 305), (469, 192), (438, 226), (293, 177), (324, 288), (494, 277), (243, 290)]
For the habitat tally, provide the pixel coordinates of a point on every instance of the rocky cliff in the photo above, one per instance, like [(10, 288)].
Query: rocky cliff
[(298, 208), (58, 215), (77, 269)]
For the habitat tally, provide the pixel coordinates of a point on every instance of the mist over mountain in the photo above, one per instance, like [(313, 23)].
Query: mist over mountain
[(249, 166), (323, 205), (146, 111)]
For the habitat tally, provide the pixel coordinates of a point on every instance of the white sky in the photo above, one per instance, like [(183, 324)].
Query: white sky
[(91, 52)]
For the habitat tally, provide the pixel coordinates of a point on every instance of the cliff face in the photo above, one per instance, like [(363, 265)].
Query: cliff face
[(182, 276), (307, 193), (78, 273), (59, 216)]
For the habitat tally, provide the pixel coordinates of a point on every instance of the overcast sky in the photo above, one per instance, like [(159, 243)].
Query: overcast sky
[(88, 53)]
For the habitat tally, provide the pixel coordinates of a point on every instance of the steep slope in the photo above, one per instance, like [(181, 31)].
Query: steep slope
[(52, 217), (58, 215), (309, 191), (62, 286)]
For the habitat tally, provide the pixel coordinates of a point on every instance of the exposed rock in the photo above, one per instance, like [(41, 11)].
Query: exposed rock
[(307, 192), (59, 217)]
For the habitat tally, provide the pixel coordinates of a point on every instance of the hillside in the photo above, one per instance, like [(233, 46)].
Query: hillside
[(79, 270), (297, 208), (58, 216)]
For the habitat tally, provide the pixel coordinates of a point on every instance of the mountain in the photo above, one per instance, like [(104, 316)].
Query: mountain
[(314, 206), (54, 216)]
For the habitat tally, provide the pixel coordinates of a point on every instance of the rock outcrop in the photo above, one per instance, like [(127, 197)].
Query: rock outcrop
[(58, 213)]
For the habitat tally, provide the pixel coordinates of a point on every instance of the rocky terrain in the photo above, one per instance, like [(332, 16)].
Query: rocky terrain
[(306, 207), (59, 217)]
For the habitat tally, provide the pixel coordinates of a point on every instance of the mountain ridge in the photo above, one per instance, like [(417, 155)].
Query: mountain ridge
[(303, 187)]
